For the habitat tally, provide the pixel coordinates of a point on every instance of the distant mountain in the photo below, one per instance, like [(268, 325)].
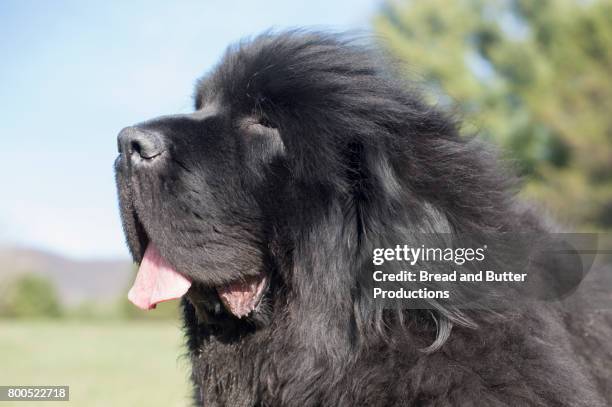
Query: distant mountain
[(75, 280)]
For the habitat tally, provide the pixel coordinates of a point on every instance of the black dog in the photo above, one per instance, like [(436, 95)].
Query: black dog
[(305, 153)]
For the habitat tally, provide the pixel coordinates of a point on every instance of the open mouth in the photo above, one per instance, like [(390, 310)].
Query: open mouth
[(158, 281)]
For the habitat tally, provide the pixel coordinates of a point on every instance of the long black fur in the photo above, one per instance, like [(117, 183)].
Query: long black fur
[(304, 153)]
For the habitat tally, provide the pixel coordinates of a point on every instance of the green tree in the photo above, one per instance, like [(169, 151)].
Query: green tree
[(29, 295), (533, 76)]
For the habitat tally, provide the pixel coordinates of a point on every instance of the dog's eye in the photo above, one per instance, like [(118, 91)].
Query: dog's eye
[(258, 127), (264, 121), (266, 137)]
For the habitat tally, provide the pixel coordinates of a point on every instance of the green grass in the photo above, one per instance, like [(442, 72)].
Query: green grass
[(104, 363)]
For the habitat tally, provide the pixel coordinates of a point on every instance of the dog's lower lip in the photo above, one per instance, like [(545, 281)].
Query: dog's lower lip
[(243, 296), (208, 304)]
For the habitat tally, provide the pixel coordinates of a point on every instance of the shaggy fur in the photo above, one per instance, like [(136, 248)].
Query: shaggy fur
[(303, 154)]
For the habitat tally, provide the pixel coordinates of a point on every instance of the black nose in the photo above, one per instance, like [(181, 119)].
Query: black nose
[(136, 142)]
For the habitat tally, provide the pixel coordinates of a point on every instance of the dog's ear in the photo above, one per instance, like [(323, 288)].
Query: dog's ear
[(334, 222), (385, 210)]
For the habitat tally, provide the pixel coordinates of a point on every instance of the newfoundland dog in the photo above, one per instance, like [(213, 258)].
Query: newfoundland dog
[(304, 154)]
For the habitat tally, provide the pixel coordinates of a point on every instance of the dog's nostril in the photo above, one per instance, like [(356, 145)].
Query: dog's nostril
[(136, 147), (143, 143)]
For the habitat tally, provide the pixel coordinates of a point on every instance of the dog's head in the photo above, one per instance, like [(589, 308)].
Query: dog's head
[(190, 188), (303, 153)]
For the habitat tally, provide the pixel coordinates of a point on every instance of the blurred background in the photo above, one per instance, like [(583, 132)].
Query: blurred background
[(533, 77)]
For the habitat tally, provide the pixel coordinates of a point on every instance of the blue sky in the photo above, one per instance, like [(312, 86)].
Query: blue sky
[(74, 73)]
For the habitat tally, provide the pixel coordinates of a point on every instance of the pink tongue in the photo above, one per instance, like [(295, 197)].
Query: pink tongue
[(240, 298), (156, 281)]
